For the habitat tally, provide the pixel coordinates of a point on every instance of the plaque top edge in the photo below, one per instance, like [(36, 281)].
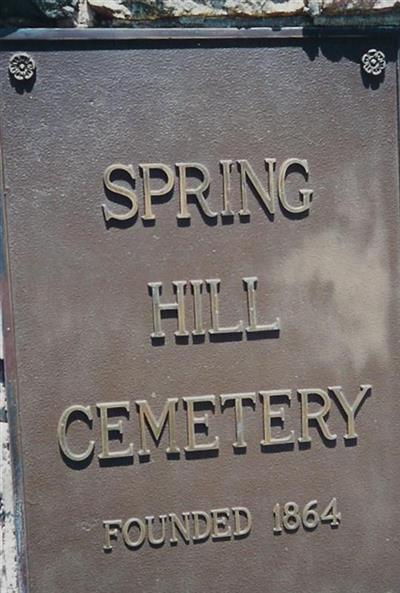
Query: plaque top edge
[(189, 33)]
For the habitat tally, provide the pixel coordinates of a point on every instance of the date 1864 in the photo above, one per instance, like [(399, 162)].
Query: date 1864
[(290, 516)]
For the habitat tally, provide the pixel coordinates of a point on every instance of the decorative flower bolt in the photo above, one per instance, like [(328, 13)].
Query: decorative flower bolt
[(374, 62), (22, 66)]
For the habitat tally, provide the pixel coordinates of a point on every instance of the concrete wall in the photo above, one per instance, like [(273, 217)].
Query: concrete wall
[(131, 13)]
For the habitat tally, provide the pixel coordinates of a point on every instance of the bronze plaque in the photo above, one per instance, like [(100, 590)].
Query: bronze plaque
[(201, 239)]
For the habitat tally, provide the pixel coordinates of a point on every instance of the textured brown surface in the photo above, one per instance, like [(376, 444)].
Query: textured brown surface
[(82, 313)]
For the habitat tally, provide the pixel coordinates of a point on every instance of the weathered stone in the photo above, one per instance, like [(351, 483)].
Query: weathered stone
[(32, 11), (94, 12), (53, 9), (110, 9), (214, 8), (256, 9), (342, 7)]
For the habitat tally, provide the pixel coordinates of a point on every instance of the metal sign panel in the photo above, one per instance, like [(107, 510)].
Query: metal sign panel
[(202, 324)]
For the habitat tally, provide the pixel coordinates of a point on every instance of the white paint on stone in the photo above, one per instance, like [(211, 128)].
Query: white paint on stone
[(8, 556)]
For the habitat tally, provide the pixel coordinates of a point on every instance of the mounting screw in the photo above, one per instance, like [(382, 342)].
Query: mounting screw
[(374, 62), (22, 66)]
